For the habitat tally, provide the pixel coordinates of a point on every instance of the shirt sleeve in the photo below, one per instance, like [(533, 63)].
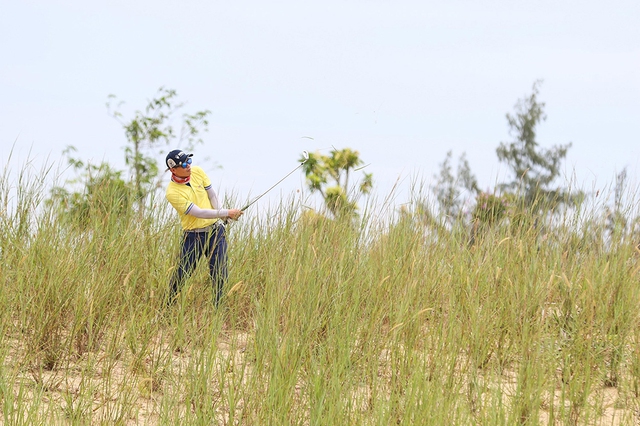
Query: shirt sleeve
[(196, 211), (213, 197)]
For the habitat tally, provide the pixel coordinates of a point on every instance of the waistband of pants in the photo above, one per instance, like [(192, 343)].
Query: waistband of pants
[(206, 228)]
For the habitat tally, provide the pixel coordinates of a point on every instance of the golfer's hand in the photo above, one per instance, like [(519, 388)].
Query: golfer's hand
[(235, 214)]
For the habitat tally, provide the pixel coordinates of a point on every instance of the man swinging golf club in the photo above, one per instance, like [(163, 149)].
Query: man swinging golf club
[(190, 192)]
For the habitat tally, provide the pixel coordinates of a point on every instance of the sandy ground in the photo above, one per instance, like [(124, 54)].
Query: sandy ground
[(63, 390)]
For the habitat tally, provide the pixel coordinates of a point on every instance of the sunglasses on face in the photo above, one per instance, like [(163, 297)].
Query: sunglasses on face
[(184, 164)]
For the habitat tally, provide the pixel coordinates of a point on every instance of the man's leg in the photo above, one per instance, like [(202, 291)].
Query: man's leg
[(218, 261), (189, 254)]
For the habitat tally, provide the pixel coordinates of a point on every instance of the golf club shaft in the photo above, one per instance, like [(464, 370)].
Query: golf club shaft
[(276, 184)]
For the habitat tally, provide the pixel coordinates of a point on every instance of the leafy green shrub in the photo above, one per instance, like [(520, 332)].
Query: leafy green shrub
[(489, 208)]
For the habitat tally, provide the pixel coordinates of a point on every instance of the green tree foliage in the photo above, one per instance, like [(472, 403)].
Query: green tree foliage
[(152, 129), (617, 217), (330, 176), (450, 188), (533, 168), (533, 173), (489, 208), (105, 197)]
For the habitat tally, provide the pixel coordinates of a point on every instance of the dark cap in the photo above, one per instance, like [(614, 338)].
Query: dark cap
[(176, 157)]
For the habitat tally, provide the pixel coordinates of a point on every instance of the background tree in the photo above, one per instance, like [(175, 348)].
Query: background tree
[(105, 197), (617, 217), (450, 189), (330, 176), (152, 128), (533, 168)]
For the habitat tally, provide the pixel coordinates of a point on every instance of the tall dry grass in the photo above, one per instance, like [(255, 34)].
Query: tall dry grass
[(386, 321)]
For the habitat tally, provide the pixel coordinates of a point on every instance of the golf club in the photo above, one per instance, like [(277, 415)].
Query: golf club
[(305, 155)]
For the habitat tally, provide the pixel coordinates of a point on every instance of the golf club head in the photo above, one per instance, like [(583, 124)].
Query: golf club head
[(305, 155)]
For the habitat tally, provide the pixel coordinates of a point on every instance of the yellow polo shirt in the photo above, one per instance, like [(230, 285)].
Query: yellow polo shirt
[(183, 197)]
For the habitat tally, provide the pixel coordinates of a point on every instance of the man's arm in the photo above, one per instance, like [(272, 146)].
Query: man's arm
[(213, 197), (196, 211), (214, 213)]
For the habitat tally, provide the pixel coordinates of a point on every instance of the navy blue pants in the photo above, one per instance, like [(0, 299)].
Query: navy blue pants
[(213, 245)]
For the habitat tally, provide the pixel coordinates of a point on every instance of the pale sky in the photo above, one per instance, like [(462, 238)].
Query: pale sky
[(402, 82)]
